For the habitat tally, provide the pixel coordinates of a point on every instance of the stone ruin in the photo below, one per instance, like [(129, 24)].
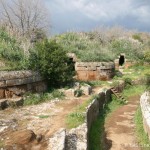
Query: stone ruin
[(95, 70), (13, 84)]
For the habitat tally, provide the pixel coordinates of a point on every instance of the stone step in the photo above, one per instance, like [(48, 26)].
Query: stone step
[(117, 94)]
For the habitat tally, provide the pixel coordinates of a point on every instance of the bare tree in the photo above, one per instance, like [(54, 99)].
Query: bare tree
[(27, 16)]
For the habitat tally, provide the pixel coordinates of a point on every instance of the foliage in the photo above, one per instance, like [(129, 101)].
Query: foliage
[(78, 92), (147, 56), (128, 47), (11, 53), (147, 82), (128, 82), (50, 60), (143, 138), (85, 48), (102, 45), (9, 48), (43, 116), (77, 117), (137, 37), (33, 99)]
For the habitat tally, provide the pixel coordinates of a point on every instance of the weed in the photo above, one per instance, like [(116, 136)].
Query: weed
[(1, 144), (78, 92), (77, 117), (143, 138), (43, 116), (33, 99)]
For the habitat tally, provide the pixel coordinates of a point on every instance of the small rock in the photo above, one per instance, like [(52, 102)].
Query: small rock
[(39, 138)]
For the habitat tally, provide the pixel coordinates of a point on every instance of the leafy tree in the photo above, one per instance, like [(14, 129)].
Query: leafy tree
[(51, 61)]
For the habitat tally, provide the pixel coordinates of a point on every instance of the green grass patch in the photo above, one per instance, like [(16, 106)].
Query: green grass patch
[(142, 137), (1, 144), (133, 90), (77, 117), (33, 99), (43, 116)]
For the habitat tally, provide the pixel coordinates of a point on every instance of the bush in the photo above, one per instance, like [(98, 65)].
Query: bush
[(128, 82), (9, 48), (137, 37), (50, 60), (147, 82)]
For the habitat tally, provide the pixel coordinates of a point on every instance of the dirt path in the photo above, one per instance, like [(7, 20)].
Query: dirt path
[(43, 119), (120, 127)]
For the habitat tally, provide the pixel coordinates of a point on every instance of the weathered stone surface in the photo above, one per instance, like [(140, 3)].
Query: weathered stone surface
[(11, 78), (87, 89), (3, 104), (15, 102), (95, 70), (57, 142), (18, 82), (69, 92), (145, 107), (76, 139)]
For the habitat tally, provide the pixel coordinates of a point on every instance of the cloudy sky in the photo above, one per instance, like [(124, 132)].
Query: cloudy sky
[(84, 15)]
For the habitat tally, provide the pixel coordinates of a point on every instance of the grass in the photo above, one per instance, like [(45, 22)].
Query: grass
[(134, 90), (77, 117), (1, 144), (33, 99), (43, 116), (97, 129), (142, 137)]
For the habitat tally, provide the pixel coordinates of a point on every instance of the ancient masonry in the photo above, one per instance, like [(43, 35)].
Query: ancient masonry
[(145, 107), (18, 82), (95, 70)]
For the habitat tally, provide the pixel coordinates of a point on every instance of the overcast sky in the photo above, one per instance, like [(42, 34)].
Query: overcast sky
[(85, 15)]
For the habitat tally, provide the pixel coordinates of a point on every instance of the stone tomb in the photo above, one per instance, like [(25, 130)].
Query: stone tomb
[(87, 71), (18, 82)]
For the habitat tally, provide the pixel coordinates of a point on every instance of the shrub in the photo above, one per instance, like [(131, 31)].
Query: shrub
[(9, 48), (137, 37), (78, 92), (128, 82), (50, 60)]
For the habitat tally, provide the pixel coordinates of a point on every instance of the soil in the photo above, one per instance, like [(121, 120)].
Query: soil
[(120, 127), (44, 120)]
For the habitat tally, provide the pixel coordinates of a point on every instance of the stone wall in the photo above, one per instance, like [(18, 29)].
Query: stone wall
[(78, 138), (95, 70), (145, 108), (19, 82)]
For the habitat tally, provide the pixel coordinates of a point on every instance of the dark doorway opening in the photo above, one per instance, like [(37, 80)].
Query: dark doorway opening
[(71, 64), (121, 60)]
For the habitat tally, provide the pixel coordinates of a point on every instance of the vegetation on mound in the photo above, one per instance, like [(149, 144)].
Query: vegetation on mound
[(10, 52), (105, 45), (50, 60)]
